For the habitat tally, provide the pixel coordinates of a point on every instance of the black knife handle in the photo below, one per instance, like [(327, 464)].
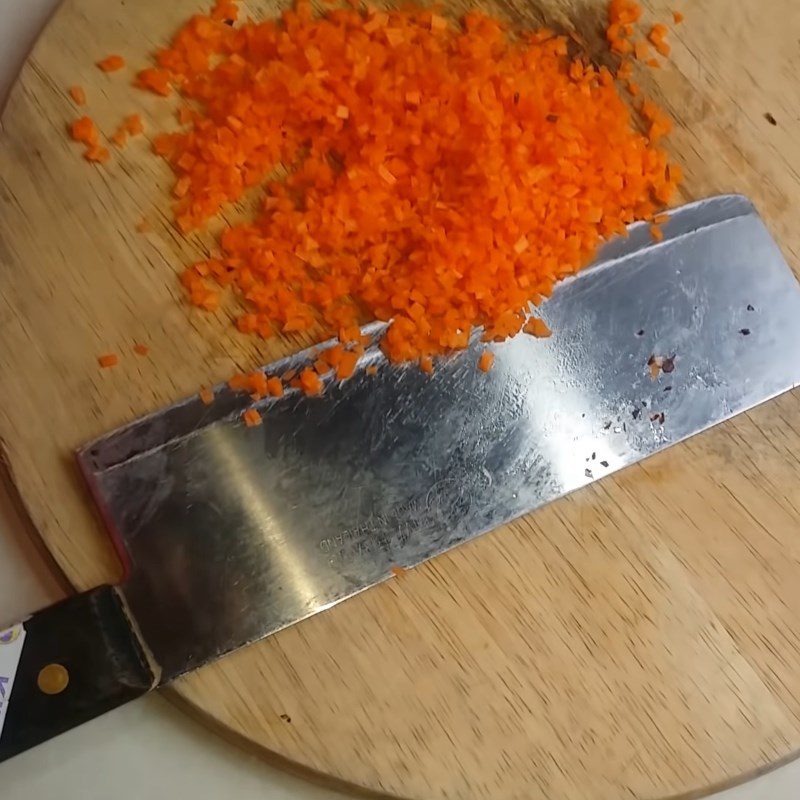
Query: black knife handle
[(87, 642)]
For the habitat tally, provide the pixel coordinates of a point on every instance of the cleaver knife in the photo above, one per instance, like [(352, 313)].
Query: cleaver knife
[(229, 533)]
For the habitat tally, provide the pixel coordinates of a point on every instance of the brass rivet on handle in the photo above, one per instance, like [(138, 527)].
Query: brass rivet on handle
[(53, 679)]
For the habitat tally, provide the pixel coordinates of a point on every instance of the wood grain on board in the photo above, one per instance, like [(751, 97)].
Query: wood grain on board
[(638, 639)]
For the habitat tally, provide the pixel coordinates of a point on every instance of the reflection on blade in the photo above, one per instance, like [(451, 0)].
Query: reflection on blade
[(234, 532)]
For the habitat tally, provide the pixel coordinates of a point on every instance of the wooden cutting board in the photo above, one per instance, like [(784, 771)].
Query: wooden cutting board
[(639, 639)]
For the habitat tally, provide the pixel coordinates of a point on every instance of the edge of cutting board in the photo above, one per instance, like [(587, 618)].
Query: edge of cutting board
[(595, 648)]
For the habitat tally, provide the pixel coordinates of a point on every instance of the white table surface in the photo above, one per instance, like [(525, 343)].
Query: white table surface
[(150, 749)]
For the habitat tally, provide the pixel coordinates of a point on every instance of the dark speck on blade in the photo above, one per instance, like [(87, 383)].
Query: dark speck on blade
[(640, 333), (635, 413), (667, 388), (604, 463), (745, 331), (606, 426), (588, 473), (750, 308), (668, 365)]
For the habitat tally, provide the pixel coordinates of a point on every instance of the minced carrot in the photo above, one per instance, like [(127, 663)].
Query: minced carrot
[(111, 63), (486, 361), (656, 233), (156, 80), (633, 89), (206, 395), (97, 153), (78, 94), (660, 219), (108, 360), (537, 327), (472, 171), (275, 387), (678, 17), (653, 63), (371, 370), (426, 365), (141, 349), (84, 130), (310, 382), (134, 124), (251, 418), (120, 137), (347, 365), (398, 571)]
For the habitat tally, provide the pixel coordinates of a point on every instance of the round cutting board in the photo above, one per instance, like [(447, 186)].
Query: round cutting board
[(638, 639)]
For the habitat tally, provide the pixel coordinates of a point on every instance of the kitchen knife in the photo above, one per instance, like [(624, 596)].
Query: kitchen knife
[(230, 533)]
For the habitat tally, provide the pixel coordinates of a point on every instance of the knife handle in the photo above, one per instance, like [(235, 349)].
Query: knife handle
[(66, 665)]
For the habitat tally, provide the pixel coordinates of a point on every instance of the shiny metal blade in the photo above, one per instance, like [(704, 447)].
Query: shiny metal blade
[(233, 533)]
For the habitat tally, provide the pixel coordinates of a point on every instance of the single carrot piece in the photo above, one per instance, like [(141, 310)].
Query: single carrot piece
[(78, 94), (134, 124), (426, 365), (141, 349), (660, 219), (397, 571), (656, 233), (96, 153), (111, 63), (347, 365), (120, 137), (84, 130), (371, 370), (251, 418), (633, 89), (275, 387), (206, 395), (486, 361), (537, 327), (310, 382), (678, 17), (108, 360)]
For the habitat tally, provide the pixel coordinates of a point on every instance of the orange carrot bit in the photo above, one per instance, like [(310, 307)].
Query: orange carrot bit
[(678, 17), (537, 327), (347, 365), (310, 382), (321, 366), (84, 130), (371, 370), (141, 349), (111, 63), (251, 418), (641, 50), (653, 63), (78, 94), (661, 219), (120, 137), (657, 32), (486, 361), (625, 71), (663, 48), (134, 124), (108, 360), (426, 365), (206, 395), (656, 233), (257, 383), (398, 571), (239, 382), (155, 80), (633, 89), (97, 154), (275, 387)]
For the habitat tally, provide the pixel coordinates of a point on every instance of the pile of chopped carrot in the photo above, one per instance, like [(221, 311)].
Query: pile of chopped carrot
[(442, 176)]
